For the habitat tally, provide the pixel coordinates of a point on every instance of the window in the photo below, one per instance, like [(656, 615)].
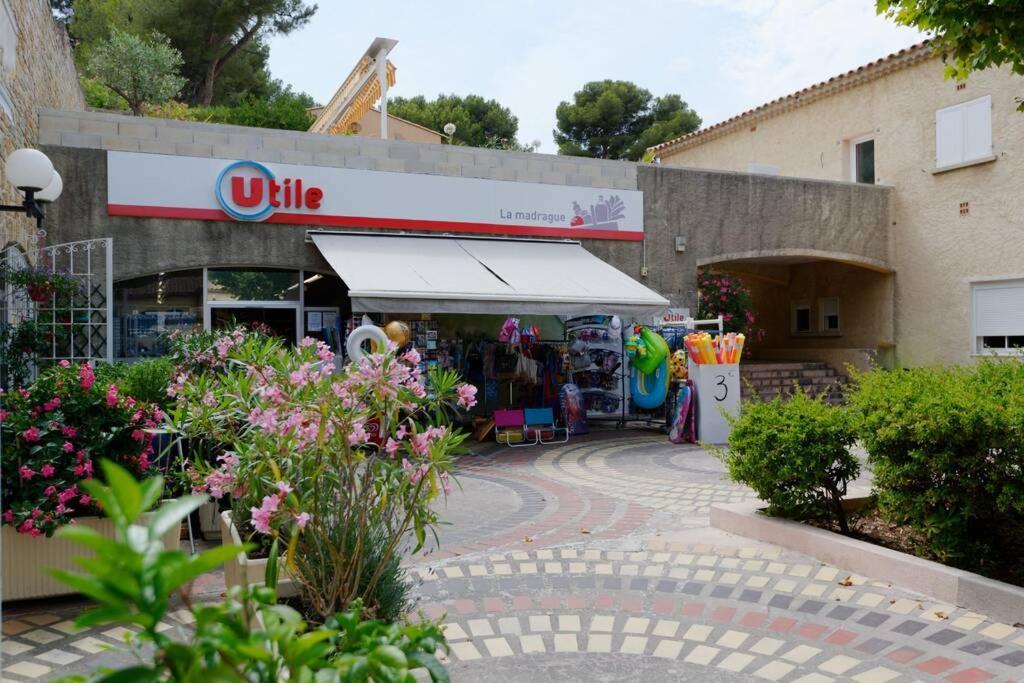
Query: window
[(829, 323), (862, 160), (800, 318), (963, 133), (998, 317), (146, 309), (242, 284)]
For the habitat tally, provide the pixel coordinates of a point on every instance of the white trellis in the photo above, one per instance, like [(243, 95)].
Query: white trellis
[(80, 327)]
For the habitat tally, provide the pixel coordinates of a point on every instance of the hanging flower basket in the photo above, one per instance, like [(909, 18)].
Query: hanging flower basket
[(41, 292)]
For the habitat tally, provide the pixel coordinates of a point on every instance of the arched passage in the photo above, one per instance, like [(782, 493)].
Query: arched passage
[(817, 306)]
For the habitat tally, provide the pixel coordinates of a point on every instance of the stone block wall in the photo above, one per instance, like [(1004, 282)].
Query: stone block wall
[(96, 130), (42, 75)]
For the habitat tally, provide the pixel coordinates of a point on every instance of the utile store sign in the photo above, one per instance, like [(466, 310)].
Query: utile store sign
[(195, 188)]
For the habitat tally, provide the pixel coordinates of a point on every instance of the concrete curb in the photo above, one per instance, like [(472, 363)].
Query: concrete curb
[(996, 599)]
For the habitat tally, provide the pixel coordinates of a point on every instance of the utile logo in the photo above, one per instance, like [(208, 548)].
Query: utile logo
[(249, 191)]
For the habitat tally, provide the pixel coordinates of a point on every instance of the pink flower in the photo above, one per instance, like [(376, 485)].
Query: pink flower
[(284, 488), (65, 364), (26, 472), (391, 447), (67, 494), (86, 376), (307, 342), (261, 515), (68, 447), (209, 400), (467, 395), (26, 527), (34, 532), (112, 395), (9, 516), (358, 435), (85, 500), (302, 519), (412, 356), (47, 470), (138, 434), (69, 432), (52, 404), (31, 435), (3, 415)]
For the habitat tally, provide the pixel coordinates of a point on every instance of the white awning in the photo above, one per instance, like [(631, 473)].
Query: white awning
[(406, 274)]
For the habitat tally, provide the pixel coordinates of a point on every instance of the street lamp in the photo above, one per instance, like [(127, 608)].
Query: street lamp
[(32, 173)]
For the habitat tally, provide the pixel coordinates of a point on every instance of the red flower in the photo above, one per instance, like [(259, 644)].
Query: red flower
[(26, 472)]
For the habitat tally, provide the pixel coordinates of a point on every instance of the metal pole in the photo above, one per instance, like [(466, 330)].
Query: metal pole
[(382, 77)]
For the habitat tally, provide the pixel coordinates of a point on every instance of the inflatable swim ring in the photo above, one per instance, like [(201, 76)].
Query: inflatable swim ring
[(365, 333), (649, 389)]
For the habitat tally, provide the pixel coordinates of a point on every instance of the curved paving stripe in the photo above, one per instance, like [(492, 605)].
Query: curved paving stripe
[(587, 465), (757, 611)]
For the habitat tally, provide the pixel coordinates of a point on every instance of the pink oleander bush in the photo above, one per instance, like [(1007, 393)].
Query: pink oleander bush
[(341, 467), (53, 432)]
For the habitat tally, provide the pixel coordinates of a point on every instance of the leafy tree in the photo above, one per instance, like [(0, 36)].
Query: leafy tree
[(138, 70), (211, 35), (619, 120), (223, 44), (478, 122), (971, 35)]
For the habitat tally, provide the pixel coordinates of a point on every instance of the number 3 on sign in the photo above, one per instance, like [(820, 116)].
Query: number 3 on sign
[(720, 382)]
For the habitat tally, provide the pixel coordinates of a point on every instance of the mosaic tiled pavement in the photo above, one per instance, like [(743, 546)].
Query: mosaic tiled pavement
[(594, 561)]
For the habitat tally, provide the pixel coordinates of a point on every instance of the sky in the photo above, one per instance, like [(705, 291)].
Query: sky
[(722, 56)]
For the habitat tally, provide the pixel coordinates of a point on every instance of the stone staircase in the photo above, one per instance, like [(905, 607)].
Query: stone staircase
[(769, 379)]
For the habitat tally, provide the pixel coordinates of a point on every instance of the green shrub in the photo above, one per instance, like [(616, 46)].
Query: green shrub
[(795, 454), (146, 380), (946, 445)]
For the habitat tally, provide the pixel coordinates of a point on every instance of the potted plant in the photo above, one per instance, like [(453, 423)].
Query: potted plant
[(301, 468), (53, 431), (40, 283)]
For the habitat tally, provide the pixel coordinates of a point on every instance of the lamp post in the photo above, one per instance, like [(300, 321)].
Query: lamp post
[(33, 174)]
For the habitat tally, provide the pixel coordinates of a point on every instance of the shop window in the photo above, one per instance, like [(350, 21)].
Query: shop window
[(147, 309), (324, 290), (998, 317), (829, 308), (963, 133), (242, 284), (862, 161), (800, 316)]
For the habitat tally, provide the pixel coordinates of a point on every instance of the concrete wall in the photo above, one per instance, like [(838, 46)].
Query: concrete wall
[(715, 212), (41, 74), (935, 251)]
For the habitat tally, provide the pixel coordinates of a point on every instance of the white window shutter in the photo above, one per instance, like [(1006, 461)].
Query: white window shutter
[(978, 129), (949, 136), (999, 309)]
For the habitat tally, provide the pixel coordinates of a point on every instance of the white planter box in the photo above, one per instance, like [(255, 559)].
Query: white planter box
[(244, 571), (26, 559), (209, 520)]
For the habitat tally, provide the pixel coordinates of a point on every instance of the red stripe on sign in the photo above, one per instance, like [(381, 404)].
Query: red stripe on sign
[(366, 222)]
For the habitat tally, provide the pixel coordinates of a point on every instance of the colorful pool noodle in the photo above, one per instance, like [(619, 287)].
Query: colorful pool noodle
[(704, 349)]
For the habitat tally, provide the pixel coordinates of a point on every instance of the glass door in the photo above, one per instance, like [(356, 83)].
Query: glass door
[(281, 321)]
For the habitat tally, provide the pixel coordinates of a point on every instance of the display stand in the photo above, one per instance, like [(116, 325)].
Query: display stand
[(718, 392)]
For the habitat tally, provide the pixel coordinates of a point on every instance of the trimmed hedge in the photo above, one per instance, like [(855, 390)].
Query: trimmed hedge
[(795, 454), (946, 446)]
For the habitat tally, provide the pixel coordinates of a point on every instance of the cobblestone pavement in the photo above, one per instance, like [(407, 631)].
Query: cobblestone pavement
[(594, 561)]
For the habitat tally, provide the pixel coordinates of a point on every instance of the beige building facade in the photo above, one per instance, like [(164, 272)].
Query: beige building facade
[(36, 70), (952, 284)]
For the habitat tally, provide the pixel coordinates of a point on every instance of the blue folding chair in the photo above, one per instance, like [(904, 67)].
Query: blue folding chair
[(540, 426)]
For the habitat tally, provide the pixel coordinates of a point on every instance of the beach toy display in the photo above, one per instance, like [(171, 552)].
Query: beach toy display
[(648, 354), (677, 364), (725, 349)]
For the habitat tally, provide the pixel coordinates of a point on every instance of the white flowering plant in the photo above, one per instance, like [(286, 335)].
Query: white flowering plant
[(342, 467)]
